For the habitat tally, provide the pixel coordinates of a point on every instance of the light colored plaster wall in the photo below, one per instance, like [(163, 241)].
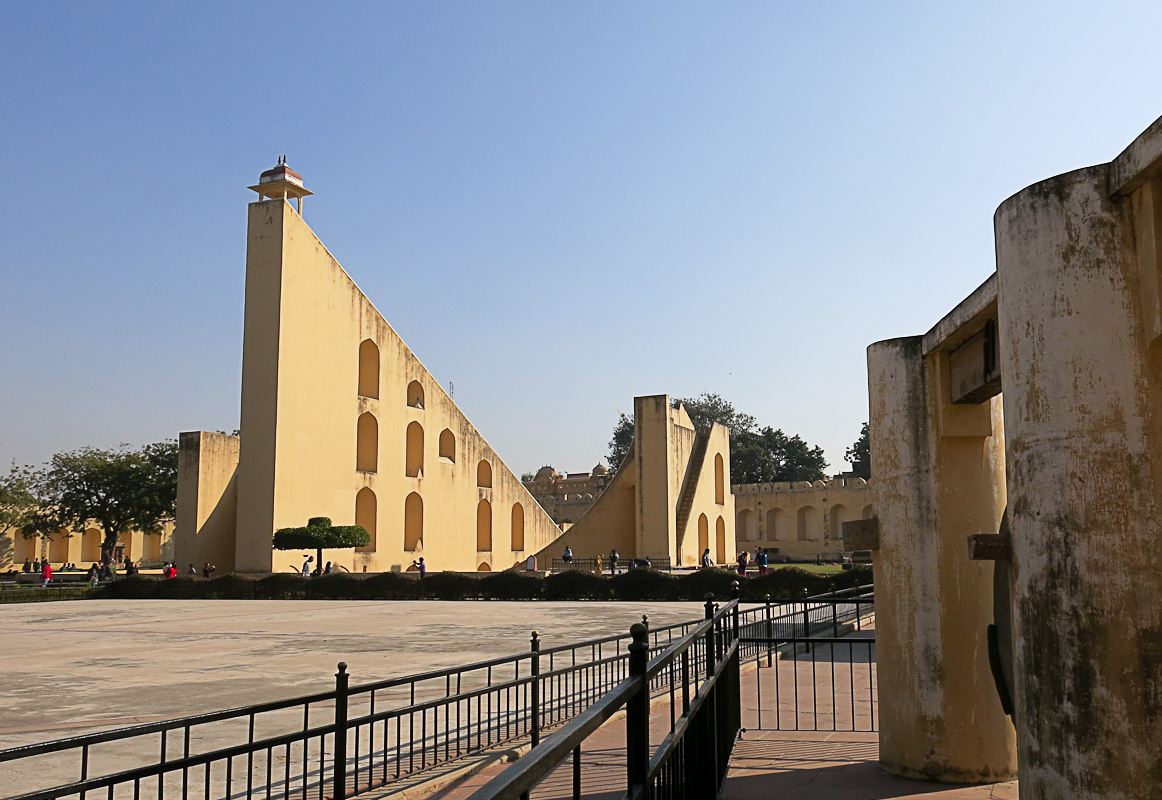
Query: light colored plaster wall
[(207, 499), (655, 464), (323, 320), (608, 524), (774, 511), (718, 444), (1082, 369), (939, 478)]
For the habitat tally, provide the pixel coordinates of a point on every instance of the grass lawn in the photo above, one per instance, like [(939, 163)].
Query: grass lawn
[(822, 569)]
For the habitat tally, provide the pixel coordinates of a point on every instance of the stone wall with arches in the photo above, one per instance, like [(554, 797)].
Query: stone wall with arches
[(801, 520)]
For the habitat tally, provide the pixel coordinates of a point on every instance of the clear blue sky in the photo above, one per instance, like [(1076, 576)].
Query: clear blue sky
[(557, 205)]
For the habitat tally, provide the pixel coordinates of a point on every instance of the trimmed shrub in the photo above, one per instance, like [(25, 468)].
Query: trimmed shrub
[(446, 586), (643, 584), (786, 583), (182, 587), (281, 586), (336, 586), (231, 586), (388, 586), (858, 575), (131, 587), (509, 586), (714, 580), (576, 585)]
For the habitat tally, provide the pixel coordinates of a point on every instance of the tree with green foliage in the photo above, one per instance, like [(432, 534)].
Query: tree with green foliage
[(319, 535), (757, 455), (20, 508), (859, 455), (120, 489)]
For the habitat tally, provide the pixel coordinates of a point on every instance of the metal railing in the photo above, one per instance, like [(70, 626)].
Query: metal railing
[(699, 674), (334, 743), (660, 564)]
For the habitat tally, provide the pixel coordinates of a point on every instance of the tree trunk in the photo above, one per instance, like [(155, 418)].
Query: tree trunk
[(319, 561), (109, 547)]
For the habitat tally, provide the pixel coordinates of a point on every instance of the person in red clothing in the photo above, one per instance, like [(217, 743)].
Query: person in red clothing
[(46, 573)]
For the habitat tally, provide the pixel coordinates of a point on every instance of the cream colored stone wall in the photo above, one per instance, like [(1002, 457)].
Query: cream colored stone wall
[(801, 519), (83, 547), (207, 499), (302, 404)]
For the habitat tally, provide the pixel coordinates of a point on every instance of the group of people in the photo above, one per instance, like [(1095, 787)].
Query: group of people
[(310, 571), (761, 560), (615, 561)]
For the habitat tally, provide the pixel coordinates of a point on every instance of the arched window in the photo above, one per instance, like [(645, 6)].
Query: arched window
[(152, 547), (91, 545), (415, 395), (809, 520), (775, 522), (720, 541), (484, 475), (448, 445), (413, 522), (414, 460), (703, 536), (368, 369), (839, 514), (745, 527), (484, 567), (868, 512), (365, 514), (367, 444), (483, 526), (518, 527), (719, 480)]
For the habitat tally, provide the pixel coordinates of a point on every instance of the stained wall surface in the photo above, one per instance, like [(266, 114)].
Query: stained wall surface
[(803, 519)]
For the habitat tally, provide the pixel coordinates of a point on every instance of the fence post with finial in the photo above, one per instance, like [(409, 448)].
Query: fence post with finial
[(735, 593), (342, 680), (637, 711), (711, 647), (536, 688)]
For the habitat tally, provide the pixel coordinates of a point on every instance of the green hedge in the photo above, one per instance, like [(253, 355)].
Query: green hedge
[(633, 585)]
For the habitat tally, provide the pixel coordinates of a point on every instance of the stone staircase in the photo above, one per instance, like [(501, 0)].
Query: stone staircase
[(690, 483)]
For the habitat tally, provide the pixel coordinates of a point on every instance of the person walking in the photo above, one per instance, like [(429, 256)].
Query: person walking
[(613, 557), (192, 569), (707, 561), (567, 556), (597, 565), (742, 559), (327, 570), (421, 567), (762, 559), (27, 565), (94, 575), (46, 574), (307, 566)]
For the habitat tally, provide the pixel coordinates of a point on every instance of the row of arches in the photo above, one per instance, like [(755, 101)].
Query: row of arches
[(806, 524), (719, 538), (369, 376), (367, 515), (367, 450)]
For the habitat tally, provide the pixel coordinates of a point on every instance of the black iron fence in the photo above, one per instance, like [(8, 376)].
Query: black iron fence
[(334, 743), (699, 676), (661, 564)]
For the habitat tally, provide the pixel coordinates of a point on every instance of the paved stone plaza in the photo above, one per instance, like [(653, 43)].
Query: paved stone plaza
[(75, 666)]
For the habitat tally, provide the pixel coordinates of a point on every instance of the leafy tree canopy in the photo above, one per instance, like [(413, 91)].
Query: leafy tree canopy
[(859, 455), (757, 455), (120, 489), (319, 535), (19, 503)]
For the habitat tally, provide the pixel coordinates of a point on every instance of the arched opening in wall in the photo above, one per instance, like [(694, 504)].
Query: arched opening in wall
[(152, 547), (484, 568), (367, 443), (448, 445), (366, 509), (868, 512), (838, 515), (484, 475), (773, 524), (413, 522), (808, 523), (30, 549), (518, 527), (415, 395), (703, 536), (745, 526), (483, 527), (91, 545), (58, 547), (720, 541), (414, 458), (368, 369), (719, 480)]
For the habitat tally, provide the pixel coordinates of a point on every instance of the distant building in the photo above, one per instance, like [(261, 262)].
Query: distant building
[(566, 497)]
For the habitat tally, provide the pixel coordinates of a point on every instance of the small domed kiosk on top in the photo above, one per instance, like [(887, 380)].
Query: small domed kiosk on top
[(282, 182)]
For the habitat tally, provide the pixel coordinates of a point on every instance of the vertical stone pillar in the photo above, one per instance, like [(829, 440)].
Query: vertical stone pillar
[(938, 477), (1081, 361)]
